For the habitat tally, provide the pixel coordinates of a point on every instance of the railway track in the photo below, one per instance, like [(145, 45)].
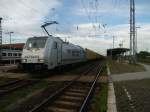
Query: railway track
[(14, 85), (73, 97), (7, 82)]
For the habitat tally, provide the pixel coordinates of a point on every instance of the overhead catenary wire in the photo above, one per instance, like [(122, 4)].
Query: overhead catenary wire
[(88, 8), (93, 17)]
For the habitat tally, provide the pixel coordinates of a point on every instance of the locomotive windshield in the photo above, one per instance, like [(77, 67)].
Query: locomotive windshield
[(36, 42)]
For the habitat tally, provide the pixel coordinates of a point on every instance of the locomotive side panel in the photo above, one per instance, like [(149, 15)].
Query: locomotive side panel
[(71, 53), (54, 52), (51, 52)]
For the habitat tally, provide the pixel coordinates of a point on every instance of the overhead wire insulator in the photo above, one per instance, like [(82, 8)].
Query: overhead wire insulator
[(99, 26), (77, 28)]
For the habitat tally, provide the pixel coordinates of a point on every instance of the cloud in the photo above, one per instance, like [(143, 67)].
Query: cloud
[(89, 29), (113, 9), (99, 45), (105, 40), (102, 8), (25, 17), (122, 34)]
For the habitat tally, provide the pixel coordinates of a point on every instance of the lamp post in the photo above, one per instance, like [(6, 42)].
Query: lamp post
[(10, 34), (113, 46), (10, 38), (113, 42)]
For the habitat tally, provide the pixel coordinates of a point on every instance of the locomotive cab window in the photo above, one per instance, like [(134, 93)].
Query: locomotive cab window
[(36, 43)]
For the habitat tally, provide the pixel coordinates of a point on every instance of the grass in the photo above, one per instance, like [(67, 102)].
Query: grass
[(145, 61), (101, 99), (104, 71), (120, 67), (21, 93)]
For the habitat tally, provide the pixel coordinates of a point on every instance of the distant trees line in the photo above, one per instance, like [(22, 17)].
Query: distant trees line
[(144, 56)]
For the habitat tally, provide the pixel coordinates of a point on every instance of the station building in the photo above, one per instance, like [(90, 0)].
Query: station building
[(118, 53), (11, 53)]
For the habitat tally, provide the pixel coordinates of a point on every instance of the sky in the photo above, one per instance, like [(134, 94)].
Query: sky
[(88, 23)]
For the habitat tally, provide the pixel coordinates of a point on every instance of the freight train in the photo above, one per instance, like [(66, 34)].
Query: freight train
[(51, 52)]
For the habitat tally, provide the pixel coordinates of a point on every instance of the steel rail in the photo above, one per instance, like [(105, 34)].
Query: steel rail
[(10, 83), (10, 88), (45, 102), (88, 97)]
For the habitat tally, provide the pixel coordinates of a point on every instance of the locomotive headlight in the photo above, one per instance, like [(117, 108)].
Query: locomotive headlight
[(41, 60), (24, 60)]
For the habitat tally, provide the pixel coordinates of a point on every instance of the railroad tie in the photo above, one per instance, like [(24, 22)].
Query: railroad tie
[(78, 90), (72, 98), (57, 109), (69, 93)]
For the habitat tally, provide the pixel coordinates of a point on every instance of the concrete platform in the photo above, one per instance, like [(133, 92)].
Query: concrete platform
[(133, 76), (111, 102)]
